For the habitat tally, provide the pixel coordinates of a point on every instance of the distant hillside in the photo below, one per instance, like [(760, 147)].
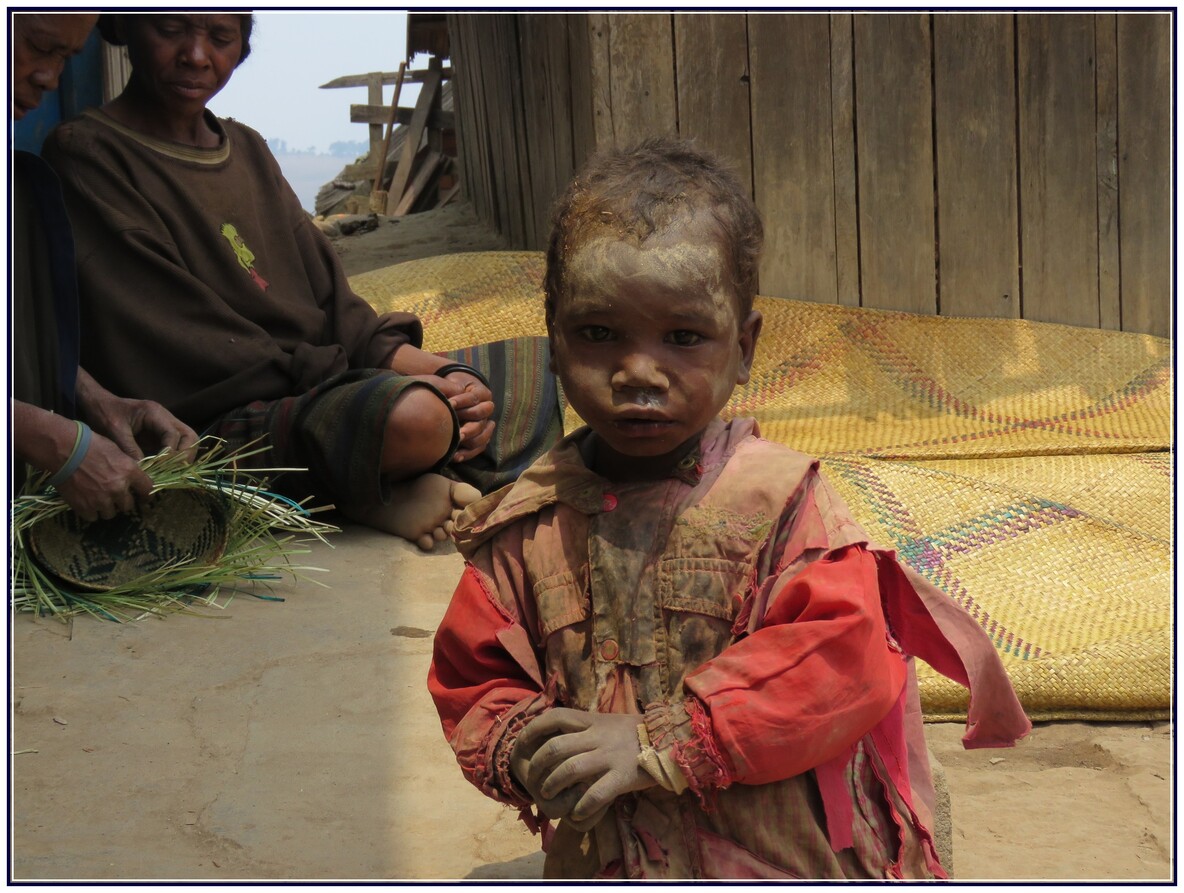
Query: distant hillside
[(307, 172), (350, 149)]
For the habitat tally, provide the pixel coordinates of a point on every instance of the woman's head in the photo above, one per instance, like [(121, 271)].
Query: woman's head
[(112, 24), (180, 61), (41, 44)]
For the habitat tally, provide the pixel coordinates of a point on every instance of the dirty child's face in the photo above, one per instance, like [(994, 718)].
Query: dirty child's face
[(648, 345)]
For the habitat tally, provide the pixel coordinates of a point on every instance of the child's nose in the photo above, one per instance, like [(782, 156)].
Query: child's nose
[(639, 370)]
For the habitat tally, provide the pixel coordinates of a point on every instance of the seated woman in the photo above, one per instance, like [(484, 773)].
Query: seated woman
[(93, 466), (205, 286)]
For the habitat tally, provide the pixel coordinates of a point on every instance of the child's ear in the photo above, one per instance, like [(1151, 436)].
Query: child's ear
[(549, 316), (750, 331)]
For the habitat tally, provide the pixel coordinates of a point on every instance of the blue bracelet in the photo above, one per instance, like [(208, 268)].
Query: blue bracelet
[(81, 445)]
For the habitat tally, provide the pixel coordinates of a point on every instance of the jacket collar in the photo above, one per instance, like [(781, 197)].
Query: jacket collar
[(560, 476)]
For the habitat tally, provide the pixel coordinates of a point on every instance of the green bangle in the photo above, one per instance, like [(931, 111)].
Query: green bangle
[(81, 446)]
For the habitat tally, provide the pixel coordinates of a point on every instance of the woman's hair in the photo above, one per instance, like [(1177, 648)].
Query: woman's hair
[(109, 27), (640, 190)]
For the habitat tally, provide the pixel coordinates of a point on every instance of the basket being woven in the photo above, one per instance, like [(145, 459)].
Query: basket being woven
[(177, 527)]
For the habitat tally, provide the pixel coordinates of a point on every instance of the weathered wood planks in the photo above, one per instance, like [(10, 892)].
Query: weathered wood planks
[(984, 164)]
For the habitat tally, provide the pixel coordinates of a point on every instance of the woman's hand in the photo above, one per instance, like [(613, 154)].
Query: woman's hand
[(469, 396), (577, 764), (132, 424), (107, 483), (472, 402)]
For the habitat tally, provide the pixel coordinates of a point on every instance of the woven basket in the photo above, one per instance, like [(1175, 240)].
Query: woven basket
[(178, 527)]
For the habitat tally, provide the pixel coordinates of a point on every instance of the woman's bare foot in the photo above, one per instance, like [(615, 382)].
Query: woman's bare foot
[(422, 510)]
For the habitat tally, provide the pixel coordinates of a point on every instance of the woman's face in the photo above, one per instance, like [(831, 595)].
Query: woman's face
[(182, 61), (41, 45)]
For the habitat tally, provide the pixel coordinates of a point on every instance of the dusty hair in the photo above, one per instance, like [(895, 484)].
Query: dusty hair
[(641, 190), (109, 23)]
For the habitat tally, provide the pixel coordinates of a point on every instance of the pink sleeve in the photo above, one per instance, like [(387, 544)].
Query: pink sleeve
[(485, 684), (814, 678)]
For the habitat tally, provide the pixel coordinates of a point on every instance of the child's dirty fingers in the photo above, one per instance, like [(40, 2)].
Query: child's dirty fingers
[(601, 794), (560, 807), (585, 824), (556, 721), (565, 771)]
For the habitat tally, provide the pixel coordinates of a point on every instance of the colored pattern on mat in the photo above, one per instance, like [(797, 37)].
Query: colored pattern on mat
[(1022, 467), (1057, 567)]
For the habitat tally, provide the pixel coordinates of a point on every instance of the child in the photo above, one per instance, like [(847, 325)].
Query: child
[(670, 634)]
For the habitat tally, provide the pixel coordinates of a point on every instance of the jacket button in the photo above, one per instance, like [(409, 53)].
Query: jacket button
[(608, 503), (609, 649)]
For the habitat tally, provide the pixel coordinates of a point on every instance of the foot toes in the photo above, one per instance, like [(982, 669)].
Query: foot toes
[(440, 534), (463, 494), (426, 542)]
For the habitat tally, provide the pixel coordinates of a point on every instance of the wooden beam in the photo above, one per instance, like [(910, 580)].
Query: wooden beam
[(1146, 47), (419, 120), (427, 169), (385, 77), (789, 59), (978, 209), (438, 119), (1058, 169), (894, 123)]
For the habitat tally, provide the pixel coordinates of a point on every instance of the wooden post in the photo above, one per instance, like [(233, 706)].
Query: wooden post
[(377, 196), (419, 119)]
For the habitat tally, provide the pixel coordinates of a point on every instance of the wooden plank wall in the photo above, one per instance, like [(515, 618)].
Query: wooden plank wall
[(987, 164)]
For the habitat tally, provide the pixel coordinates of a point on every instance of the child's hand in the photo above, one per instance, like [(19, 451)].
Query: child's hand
[(581, 761), (524, 750)]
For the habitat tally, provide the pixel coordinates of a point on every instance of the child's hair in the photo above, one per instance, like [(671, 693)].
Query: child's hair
[(637, 191)]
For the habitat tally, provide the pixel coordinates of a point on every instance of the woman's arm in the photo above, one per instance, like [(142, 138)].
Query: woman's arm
[(106, 481)]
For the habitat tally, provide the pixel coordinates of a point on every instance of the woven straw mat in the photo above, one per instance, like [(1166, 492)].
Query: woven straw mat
[(1021, 467)]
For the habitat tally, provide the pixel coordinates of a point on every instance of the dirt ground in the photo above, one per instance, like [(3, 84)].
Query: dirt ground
[(295, 740)]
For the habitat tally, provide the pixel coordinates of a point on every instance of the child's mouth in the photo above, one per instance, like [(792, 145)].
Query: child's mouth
[(643, 426)]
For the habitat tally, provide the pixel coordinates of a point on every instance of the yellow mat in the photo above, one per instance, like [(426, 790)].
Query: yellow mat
[(1022, 467)]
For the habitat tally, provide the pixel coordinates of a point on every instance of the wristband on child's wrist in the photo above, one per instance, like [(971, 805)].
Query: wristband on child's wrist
[(660, 766), (77, 454), (444, 371)]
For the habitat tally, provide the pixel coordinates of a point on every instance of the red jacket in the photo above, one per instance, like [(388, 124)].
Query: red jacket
[(740, 611)]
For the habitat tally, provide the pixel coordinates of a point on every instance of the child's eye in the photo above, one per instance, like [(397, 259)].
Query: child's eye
[(595, 333), (683, 338)]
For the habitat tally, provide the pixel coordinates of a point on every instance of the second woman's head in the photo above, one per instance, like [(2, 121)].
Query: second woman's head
[(181, 60)]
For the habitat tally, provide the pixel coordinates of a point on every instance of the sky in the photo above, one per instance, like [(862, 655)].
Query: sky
[(277, 89)]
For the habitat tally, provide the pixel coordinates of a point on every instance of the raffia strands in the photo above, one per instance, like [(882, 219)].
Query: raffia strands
[(264, 533), (1024, 468)]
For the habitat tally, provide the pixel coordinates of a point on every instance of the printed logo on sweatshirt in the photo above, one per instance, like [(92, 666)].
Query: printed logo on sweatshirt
[(246, 257)]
